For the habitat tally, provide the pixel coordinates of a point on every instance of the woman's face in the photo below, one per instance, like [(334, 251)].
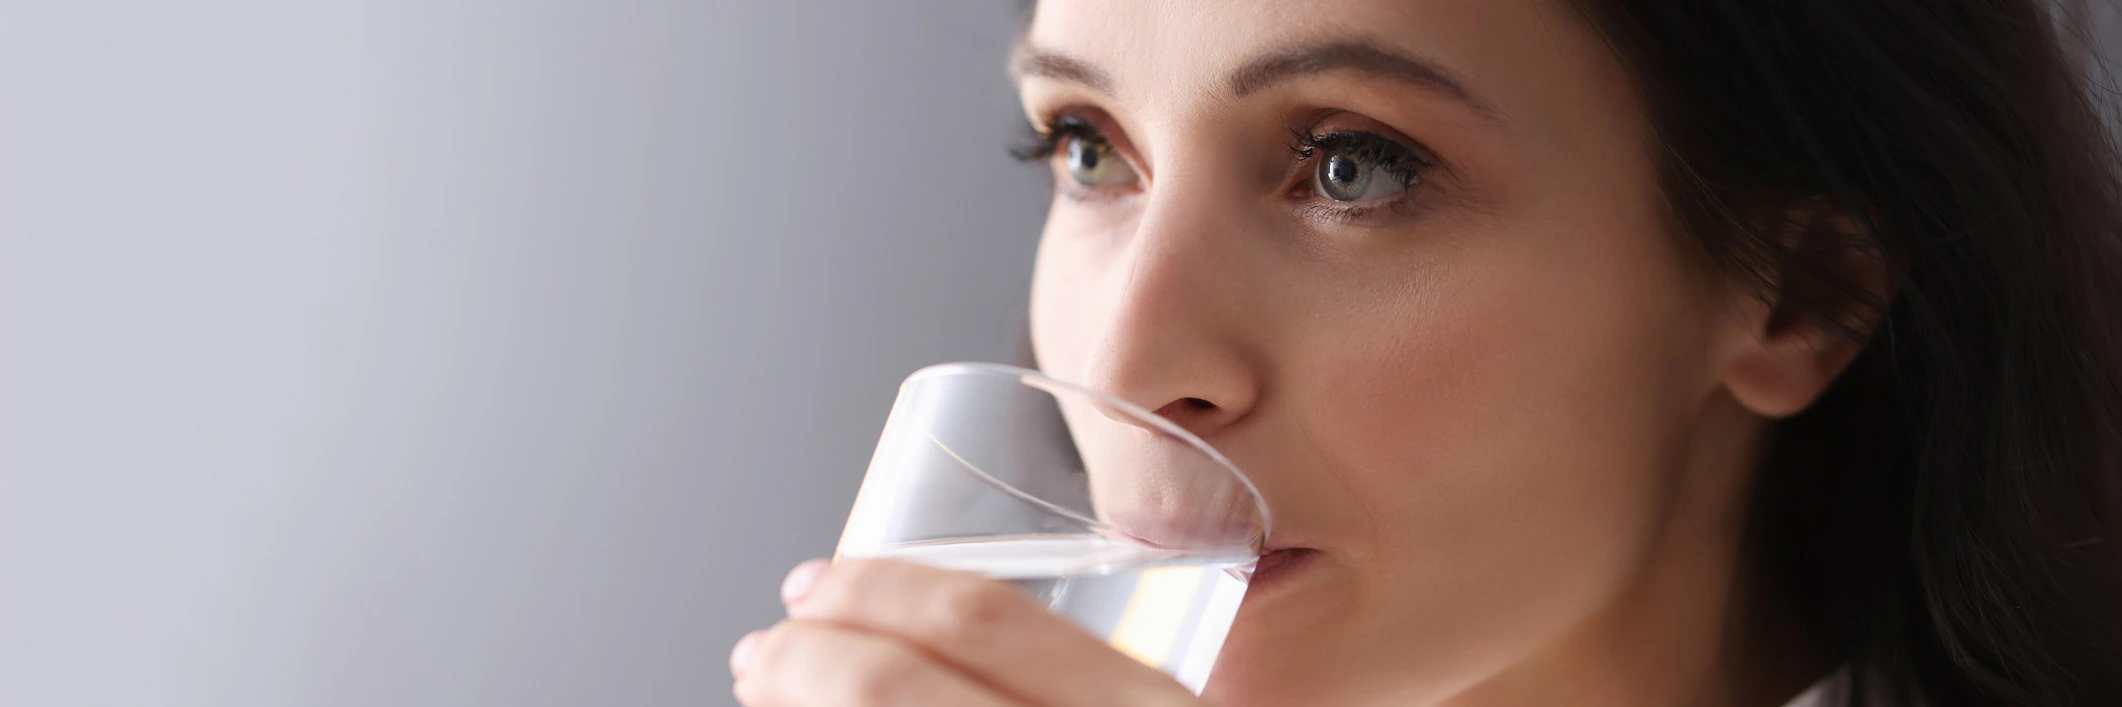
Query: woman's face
[(1406, 262)]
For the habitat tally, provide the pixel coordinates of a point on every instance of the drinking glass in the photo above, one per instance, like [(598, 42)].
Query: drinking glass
[(1110, 515)]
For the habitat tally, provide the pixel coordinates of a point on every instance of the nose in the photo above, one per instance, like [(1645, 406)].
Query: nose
[(1174, 336)]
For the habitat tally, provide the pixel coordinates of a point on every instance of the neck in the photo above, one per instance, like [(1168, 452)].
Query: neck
[(1696, 626)]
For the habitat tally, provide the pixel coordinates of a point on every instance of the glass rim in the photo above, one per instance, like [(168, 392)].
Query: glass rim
[(1023, 375)]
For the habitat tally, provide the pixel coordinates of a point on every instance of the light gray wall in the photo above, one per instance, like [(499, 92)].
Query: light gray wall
[(467, 352)]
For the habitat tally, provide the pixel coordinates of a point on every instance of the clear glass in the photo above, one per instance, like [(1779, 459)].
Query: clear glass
[(1112, 516)]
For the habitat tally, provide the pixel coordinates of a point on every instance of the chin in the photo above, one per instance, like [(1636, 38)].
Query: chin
[(1280, 648), (1270, 658), (1271, 684)]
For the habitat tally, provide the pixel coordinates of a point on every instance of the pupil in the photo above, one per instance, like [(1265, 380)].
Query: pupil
[(1342, 170), (1086, 156)]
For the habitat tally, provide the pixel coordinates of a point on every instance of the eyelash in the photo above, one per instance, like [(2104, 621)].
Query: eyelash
[(1041, 145), (1397, 160)]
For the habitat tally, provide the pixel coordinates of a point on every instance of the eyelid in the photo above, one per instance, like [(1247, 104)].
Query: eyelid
[(1356, 214), (1344, 126), (1406, 164), (1040, 145), (1366, 144), (1342, 121), (1105, 127)]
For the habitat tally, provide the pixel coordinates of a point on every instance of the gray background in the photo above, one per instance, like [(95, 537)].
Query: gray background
[(470, 352), (467, 352)]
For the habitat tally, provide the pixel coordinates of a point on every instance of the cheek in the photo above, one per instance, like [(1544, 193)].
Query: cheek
[(1515, 431), (1056, 327), (1065, 310), (1507, 400)]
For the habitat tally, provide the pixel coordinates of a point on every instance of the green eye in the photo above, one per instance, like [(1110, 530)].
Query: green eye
[(1343, 178), (1091, 163), (1355, 166), (1350, 178)]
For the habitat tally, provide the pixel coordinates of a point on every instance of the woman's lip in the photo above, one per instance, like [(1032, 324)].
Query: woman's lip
[(1277, 565)]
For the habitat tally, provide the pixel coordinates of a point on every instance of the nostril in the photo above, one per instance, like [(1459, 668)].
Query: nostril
[(1184, 408), (1187, 413)]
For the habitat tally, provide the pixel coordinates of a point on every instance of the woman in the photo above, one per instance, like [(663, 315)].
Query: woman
[(1594, 352)]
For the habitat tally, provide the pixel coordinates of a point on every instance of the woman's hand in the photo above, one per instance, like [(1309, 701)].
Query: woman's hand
[(870, 633)]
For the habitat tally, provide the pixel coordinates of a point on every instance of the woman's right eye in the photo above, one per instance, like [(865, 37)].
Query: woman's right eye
[(1074, 146), (1091, 162)]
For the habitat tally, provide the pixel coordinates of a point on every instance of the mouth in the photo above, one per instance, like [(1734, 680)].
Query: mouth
[(1278, 566)]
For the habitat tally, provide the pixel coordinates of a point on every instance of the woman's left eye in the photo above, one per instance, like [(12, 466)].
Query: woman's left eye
[(1079, 152), (1354, 167), (1092, 163)]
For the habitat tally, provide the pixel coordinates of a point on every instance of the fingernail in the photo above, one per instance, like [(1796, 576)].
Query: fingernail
[(740, 657), (800, 580)]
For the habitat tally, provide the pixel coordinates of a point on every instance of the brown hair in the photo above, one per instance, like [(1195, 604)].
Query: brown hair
[(1945, 515)]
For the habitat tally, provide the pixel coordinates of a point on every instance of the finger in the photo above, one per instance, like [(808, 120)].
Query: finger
[(808, 664), (985, 627)]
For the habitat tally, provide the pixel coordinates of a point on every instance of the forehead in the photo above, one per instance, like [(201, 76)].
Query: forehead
[(1534, 60)]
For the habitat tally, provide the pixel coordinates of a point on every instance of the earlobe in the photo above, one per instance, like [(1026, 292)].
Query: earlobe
[(1782, 373)]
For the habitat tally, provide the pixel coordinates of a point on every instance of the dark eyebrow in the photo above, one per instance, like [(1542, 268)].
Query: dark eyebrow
[(1033, 61), (1266, 70), (1350, 55)]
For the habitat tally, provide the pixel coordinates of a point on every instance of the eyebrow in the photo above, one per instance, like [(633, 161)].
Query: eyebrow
[(1265, 71), (1034, 61)]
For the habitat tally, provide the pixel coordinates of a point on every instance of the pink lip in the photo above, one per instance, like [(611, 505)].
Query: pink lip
[(1278, 565)]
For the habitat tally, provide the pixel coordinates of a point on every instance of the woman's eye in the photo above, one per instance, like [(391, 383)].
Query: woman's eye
[(1356, 166), (1349, 176), (1091, 163)]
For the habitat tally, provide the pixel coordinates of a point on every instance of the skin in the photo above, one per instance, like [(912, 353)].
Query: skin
[(1507, 420)]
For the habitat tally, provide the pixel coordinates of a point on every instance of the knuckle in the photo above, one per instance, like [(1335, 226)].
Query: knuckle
[(756, 687), (969, 608), (751, 693), (851, 589), (845, 577), (888, 679), (772, 646), (776, 656)]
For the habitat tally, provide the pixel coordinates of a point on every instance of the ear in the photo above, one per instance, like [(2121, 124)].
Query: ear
[(1829, 292)]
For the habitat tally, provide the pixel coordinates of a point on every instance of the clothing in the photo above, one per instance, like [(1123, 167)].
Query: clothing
[(1816, 696), (1835, 684)]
